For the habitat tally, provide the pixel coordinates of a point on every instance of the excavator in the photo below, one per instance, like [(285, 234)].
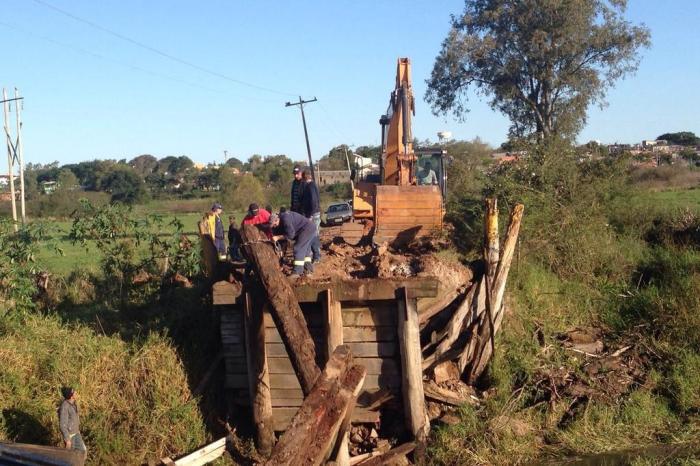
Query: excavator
[(405, 200)]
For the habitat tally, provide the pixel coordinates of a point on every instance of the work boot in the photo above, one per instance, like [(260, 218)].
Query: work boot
[(294, 277)]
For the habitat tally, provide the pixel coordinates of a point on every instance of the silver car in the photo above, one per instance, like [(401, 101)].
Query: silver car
[(338, 213)]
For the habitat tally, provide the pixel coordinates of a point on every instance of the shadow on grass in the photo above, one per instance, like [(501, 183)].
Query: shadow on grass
[(22, 427)]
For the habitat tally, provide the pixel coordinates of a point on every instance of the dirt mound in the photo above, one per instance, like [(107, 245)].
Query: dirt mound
[(342, 261)]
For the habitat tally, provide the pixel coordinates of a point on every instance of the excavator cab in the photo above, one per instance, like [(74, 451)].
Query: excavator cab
[(407, 200)]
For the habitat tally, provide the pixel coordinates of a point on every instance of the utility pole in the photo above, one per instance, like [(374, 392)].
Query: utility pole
[(19, 151), (225, 156), (306, 133), (12, 155)]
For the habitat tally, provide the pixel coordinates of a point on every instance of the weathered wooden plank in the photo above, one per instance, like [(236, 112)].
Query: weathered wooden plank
[(411, 367), (374, 366), (368, 289), (204, 455), (314, 321), (361, 349), (377, 333), (372, 381), (282, 416), (379, 366), (283, 304), (273, 336), (368, 317)]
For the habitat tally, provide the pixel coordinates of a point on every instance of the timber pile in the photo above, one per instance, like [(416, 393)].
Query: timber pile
[(467, 338), (434, 353)]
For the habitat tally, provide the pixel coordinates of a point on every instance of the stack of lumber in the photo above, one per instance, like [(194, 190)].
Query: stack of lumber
[(468, 337)]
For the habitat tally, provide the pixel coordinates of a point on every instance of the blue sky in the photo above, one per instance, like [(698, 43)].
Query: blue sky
[(92, 95)]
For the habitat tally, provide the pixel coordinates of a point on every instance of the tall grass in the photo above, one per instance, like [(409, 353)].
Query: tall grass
[(134, 398)]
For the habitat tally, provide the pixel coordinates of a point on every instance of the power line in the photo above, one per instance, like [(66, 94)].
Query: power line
[(159, 52), (99, 56)]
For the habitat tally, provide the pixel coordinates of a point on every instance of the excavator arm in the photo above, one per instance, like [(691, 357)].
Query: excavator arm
[(397, 209)]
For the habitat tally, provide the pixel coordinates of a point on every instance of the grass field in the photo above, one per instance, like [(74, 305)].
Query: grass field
[(190, 211), (76, 257)]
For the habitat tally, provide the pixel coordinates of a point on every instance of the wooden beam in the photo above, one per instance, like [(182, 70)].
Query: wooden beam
[(284, 306), (314, 429), (204, 455), (390, 456), (484, 351), (368, 289), (334, 338), (333, 322), (258, 374), (411, 366), (444, 395)]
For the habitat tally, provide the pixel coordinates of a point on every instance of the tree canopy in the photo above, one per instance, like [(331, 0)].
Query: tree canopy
[(682, 138), (541, 62)]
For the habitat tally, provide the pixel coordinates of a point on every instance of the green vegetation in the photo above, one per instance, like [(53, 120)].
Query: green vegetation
[(602, 253), (131, 341)]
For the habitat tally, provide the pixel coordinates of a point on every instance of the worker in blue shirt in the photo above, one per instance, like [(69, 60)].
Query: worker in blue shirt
[(311, 208), (302, 231)]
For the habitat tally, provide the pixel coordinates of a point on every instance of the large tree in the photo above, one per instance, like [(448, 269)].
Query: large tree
[(541, 62)]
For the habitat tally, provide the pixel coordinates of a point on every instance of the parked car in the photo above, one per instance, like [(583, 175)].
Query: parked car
[(338, 213)]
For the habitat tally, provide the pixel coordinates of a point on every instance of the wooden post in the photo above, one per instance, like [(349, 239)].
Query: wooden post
[(334, 322), (491, 251), (483, 352), (334, 338), (258, 374), (411, 366), (284, 306), (491, 254)]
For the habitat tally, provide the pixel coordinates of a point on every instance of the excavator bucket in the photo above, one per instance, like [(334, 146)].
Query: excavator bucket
[(403, 213)]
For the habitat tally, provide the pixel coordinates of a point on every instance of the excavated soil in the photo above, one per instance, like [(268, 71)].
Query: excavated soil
[(341, 261)]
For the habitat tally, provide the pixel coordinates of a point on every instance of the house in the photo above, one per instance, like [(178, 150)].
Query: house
[(327, 177), (47, 187)]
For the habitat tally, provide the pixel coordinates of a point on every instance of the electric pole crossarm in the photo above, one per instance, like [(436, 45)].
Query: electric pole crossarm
[(306, 133)]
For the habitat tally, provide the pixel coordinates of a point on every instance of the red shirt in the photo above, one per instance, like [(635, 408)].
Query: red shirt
[(263, 216)]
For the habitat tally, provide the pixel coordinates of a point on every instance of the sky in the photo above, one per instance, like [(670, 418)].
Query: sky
[(116, 79)]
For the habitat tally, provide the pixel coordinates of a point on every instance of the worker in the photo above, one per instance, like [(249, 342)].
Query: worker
[(234, 240), (426, 176), (69, 421), (258, 216), (302, 231), (216, 229), (311, 207), (297, 190)]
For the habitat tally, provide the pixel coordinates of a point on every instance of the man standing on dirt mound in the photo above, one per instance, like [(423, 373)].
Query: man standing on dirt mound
[(298, 186), (311, 207), (302, 230), (69, 421)]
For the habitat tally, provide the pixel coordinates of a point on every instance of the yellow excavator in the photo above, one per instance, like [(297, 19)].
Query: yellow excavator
[(405, 199)]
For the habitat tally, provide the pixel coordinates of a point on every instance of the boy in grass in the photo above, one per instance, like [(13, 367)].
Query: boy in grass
[(69, 421)]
